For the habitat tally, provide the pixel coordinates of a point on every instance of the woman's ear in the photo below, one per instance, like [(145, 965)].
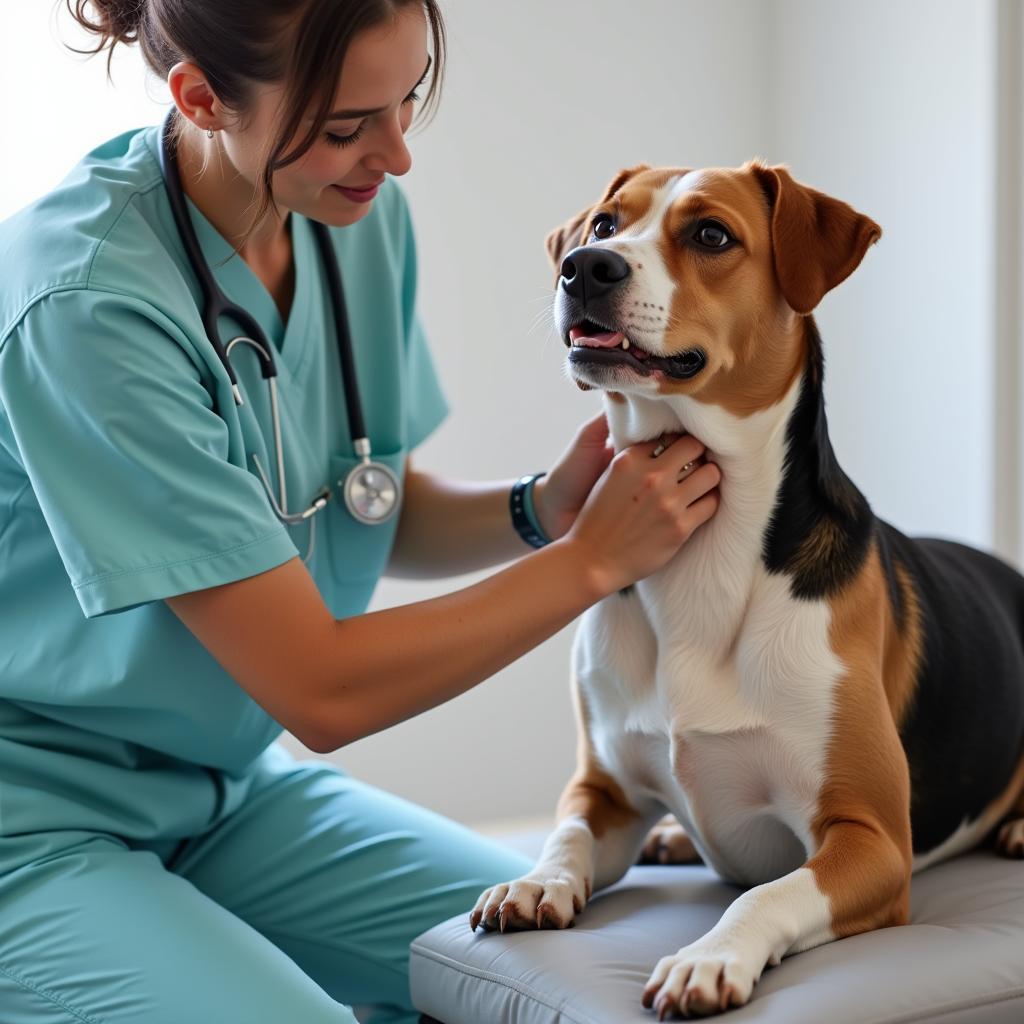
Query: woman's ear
[(817, 241)]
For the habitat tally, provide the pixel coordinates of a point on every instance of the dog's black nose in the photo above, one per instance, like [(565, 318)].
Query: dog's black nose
[(590, 272)]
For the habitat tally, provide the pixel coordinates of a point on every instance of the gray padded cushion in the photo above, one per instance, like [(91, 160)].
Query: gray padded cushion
[(960, 959)]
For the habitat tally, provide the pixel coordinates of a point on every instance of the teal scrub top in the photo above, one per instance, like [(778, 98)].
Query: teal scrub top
[(126, 477)]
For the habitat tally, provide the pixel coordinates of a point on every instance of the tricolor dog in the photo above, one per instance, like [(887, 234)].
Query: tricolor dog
[(824, 704)]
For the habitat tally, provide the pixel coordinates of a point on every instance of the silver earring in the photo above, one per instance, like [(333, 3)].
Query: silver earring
[(209, 133)]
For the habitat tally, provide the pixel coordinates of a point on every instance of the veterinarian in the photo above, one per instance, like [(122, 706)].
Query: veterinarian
[(212, 374)]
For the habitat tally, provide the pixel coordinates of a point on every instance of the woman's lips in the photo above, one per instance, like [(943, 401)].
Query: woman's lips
[(359, 195)]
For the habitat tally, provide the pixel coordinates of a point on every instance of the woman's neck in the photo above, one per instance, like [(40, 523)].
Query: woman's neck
[(225, 198)]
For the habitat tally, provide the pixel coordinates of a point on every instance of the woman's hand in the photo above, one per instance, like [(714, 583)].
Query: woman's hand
[(645, 507), (559, 496)]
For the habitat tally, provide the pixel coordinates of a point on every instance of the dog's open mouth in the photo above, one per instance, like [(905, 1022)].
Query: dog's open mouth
[(592, 343)]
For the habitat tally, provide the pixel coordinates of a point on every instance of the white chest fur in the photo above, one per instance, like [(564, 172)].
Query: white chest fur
[(710, 688)]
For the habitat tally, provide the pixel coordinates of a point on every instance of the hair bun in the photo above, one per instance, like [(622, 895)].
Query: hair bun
[(115, 21)]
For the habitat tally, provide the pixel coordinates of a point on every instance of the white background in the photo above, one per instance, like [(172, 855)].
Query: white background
[(893, 107)]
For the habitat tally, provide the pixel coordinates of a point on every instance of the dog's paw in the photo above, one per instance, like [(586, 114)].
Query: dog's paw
[(1010, 840), (545, 900), (668, 843), (700, 980)]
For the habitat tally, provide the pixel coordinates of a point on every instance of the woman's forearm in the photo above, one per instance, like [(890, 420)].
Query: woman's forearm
[(398, 662), (451, 527)]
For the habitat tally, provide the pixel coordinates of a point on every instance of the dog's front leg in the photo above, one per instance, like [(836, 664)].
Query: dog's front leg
[(859, 879), (597, 838)]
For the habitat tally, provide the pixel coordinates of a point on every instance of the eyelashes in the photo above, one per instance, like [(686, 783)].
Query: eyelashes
[(343, 140), (347, 140)]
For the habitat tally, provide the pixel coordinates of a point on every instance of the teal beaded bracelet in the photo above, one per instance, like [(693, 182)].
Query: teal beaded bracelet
[(524, 518)]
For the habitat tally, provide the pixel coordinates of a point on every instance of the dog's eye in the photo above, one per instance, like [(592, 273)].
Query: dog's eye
[(603, 226), (712, 235)]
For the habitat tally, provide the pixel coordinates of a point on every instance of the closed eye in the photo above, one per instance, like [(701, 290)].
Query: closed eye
[(333, 139)]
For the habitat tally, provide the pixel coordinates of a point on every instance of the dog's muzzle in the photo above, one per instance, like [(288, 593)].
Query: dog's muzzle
[(591, 277)]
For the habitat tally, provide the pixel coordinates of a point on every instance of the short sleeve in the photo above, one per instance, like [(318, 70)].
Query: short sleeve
[(126, 456), (426, 404)]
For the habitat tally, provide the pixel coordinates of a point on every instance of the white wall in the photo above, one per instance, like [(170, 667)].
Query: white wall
[(55, 105), (888, 106)]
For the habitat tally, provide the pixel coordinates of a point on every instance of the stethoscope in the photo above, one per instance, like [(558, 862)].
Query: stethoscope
[(371, 490)]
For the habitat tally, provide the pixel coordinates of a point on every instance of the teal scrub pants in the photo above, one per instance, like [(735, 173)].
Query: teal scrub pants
[(294, 908)]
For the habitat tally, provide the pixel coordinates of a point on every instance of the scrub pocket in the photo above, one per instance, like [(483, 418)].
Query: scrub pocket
[(355, 554)]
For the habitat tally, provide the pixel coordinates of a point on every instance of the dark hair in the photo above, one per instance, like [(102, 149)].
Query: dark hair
[(238, 42)]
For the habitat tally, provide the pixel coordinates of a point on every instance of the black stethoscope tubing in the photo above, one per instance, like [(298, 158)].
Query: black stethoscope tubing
[(216, 304)]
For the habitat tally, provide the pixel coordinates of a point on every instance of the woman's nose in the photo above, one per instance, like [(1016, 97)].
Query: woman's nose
[(393, 154)]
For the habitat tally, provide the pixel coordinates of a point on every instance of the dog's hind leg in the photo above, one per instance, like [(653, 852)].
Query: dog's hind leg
[(668, 843), (1010, 837)]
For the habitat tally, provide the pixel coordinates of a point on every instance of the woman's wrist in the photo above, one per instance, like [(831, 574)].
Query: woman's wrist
[(541, 513), (593, 578), (524, 517)]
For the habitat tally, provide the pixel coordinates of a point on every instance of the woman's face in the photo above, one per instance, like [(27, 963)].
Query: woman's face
[(336, 180)]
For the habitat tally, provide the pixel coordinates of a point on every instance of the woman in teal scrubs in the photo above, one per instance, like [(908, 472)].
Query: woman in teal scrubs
[(162, 859)]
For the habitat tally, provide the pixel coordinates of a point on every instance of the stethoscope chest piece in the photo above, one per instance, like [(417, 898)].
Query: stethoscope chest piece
[(371, 492)]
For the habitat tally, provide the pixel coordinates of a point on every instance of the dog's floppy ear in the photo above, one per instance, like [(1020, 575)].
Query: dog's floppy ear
[(817, 241), (565, 238)]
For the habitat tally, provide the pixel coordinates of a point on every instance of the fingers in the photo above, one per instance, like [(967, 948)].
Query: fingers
[(682, 447), (682, 450), (700, 483), (659, 445), (701, 510), (687, 469)]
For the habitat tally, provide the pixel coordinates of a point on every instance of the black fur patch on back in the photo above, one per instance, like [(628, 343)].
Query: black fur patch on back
[(815, 498), (963, 732)]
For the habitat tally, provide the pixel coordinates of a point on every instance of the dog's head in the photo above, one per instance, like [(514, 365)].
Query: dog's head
[(690, 282)]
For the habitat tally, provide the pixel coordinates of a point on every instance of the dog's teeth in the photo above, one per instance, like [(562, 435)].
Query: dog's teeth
[(625, 342)]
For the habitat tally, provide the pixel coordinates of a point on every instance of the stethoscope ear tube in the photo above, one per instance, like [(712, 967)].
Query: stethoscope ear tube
[(372, 491), (348, 369)]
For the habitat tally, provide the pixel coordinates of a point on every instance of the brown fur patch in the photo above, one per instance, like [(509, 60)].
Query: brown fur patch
[(621, 178), (593, 794), (729, 304), (903, 652), (819, 546), (1012, 797), (863, 822), (817, 241), (1017, 811)]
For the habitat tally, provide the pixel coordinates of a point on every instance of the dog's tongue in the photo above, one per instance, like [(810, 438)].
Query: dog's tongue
[(602, 339)]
